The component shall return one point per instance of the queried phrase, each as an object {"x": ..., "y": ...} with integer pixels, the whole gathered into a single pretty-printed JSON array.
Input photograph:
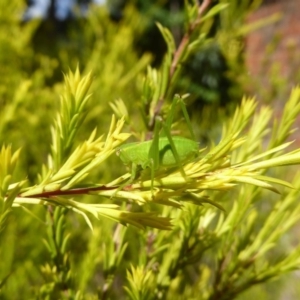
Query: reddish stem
[
  {"x": 178, "y": 53},
  {"x": 79, "y": 191}
]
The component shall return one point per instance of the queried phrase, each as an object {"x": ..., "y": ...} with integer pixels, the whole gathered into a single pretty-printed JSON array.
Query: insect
[{"x": 161, "y": 152}]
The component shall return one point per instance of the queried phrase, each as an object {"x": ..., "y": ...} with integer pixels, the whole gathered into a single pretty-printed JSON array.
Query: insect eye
[{"x": 118, "y": 152}]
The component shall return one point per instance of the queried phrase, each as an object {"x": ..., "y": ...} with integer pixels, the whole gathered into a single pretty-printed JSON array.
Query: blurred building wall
[{"x": 278, "y": 43}]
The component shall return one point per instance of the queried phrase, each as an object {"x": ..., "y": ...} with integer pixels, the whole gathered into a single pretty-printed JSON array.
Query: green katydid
[{"x": 162, "y": 151}]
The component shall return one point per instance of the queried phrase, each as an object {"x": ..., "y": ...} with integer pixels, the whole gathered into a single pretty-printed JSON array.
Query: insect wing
[{"x": 186, "y": 149}]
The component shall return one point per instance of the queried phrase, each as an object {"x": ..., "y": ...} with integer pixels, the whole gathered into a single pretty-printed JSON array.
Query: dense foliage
[{"x": 76, "y": 224}]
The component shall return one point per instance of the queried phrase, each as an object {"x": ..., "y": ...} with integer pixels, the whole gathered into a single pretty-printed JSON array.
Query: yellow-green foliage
[
  {"x": 28, "y": 106},
  {"x": 72, "y": 227}
]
